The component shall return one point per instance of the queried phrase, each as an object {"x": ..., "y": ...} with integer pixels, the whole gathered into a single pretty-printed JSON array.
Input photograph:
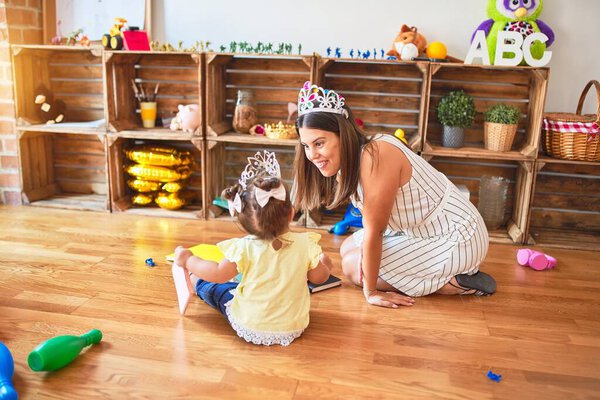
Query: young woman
[{"x": 420, "y": 235}]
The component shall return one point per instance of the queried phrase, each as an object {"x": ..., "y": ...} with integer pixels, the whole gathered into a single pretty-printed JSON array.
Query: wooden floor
[{"x": 66, "y": 272}]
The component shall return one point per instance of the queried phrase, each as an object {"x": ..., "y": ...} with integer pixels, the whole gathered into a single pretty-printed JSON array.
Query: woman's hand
[
  {"x": 387, "y": 299},
  {"x": 181, "y": 256}
]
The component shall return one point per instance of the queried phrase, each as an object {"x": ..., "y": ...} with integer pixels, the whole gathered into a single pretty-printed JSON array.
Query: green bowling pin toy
[{"x": 59, "y": 351}]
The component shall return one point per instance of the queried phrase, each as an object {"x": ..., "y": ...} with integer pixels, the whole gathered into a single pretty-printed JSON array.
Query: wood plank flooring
[{"x": 66, "y": 272}]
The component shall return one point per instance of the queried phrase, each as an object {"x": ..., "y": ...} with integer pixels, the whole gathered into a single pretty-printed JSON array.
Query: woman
[{"x": 420, "y": 235}]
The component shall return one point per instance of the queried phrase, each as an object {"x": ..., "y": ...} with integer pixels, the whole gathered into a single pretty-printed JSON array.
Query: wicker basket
[
  {"x": 499, "y": 137},
  {"x": 574, "y": 136}
]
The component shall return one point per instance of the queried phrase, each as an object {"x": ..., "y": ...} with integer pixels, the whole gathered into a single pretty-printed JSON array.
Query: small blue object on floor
[
  {"x": 150, "y": 262},
  {"x": 352, "y": 217},
  {"x": 493, "y": 376}
]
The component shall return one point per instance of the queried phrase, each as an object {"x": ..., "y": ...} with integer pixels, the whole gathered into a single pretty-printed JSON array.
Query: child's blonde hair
[{"x": 265, "y": 222}]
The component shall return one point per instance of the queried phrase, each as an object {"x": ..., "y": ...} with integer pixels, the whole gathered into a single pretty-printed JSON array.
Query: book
[
  {"x": 331, "y": 282},
  {"x": 183, "y": 286}
]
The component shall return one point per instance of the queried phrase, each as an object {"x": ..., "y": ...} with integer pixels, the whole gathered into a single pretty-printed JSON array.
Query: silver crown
[
  {"x": 313, "y": 98},
  {"x": 264, "y": 162}
]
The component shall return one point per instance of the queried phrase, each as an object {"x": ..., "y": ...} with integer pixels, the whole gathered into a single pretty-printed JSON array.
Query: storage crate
[
  {"x": 566, "y": 204},
  {"x": 522, "y": 87},
  {"x": 385, "y": 95},
  {"x": 72, "y": 75},
  {"x": 63, "y": 170},
  {"x": 225, "y": 162},
  {"x": 177, "y": 74},
  {"x": 121, "y": 194},
  {"x": 274, "y": 80},
  {"x": 468, "y": 172}
]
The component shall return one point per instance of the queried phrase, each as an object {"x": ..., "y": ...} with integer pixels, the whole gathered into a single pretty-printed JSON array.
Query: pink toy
[
  {"x": 190, "y": 118},
  {"x": 535, "y": 259}
]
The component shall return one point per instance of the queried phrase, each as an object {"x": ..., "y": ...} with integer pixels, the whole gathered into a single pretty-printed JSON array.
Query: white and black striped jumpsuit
[{"x": 433, "y": 233}]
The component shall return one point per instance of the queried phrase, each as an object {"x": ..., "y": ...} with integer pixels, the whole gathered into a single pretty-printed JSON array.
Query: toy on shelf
[
  {"x": 519, "y": 16},
  {"x": 113, "y": 40},
  {"x": 535, "y": 259},
  {"x": 51, "y": 111},
  {"x": 400, "y": 135},
  {"x": 436, "y": 50},
  {"x": 187, "y": 119},
  {"x": 352, "y": 217},
  {"x": 7, "y": 369},
  {"x": 77, "y": 37},
  {"x": 59, "y": 351},
  {"x": 408, "y": 44},
  {"x": 57, "y": 39},
  {"x": 280, "y": 131}
]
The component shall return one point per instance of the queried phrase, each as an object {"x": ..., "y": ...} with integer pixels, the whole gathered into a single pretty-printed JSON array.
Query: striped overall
[{"x": 433, "y": 233}]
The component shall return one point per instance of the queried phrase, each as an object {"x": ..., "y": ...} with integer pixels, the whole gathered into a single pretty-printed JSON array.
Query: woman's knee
[
  {"x": 347, "y": 246},
  {"x": 350, "y": 265}
]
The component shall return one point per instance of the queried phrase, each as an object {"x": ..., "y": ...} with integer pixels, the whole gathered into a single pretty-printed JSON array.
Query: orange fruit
[{"x": 436, "y": 50}]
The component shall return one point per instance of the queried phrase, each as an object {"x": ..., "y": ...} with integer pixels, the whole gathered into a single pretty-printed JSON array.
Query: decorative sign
[{"x": 511, "y": 43}]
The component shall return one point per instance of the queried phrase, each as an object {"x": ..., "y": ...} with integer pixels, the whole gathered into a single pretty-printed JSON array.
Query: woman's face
[{"x": 322, "y": 148}]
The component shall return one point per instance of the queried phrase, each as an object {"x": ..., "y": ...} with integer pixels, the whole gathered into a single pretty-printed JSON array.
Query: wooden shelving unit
[{"x": 78, "y": 164}]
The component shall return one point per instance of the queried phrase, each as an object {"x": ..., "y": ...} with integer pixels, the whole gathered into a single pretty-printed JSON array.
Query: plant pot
[
  {"x": 498, "y": 137},
  {"x": 453, "y": 136}
]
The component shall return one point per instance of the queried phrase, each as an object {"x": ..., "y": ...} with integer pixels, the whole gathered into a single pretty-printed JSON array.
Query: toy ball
[
  {"x": 436, "y": 50},
  {"x": 400, "y": 135}
]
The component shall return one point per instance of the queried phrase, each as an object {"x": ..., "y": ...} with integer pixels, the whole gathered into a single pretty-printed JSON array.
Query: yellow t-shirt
[{"x": 272, "y": 296}]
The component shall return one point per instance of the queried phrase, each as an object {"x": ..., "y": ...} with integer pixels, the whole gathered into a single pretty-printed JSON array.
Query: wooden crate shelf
[
  {"x": 225, "y": 161},
  {"x": 72, "y": 75},
  {"x": 178, "y": 74},
  {"x": 468, "y": 172},
  {"x": 121, "y": 194},
  {"x": 63, "y": 170},
  {"x": 385, "y": 95},
  {"x": 274, "y": 81},
  {"x": 565, "y": 210},
  {"x": 522, "y": 87}
]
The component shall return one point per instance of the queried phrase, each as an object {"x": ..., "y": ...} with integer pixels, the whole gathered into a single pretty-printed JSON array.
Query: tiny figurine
[
  {"x": 351, "y": 53},
  {"x": 150, "y": 262},
  {"x": 366, "y": 55},
  {"x": 56, "y": 40},
  {"x": 494, "y": 377},
  {"x": 329, "y": 52},
  {"x": 338, "y": 53}
]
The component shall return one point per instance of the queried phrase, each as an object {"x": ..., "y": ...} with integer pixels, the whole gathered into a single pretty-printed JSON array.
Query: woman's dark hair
[
  {"x": 311, "y": 188},
  {"x": 266, "y": 222}
]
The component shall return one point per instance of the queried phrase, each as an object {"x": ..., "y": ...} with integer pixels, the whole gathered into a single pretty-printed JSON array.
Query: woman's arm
[
  {"x": 321, "y": 272},
  {"x": 208, "y": 270},
  {"x": 380, "y": 175}
]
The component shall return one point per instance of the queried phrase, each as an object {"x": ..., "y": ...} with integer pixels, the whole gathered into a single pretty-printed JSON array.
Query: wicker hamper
[{"x": 574, "y": 136}]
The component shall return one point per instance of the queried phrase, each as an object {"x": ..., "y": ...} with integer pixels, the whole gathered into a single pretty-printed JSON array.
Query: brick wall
[{"x": 20, "y": 23}]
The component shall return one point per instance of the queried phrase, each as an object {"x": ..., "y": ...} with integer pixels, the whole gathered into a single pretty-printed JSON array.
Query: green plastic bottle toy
[{"x": 59, "y": 351}]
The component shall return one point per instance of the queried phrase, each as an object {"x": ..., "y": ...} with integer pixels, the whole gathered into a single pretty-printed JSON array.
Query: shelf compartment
[
  {"x": 385, "y": 95},
  {"x": 468, "y": 172},
  {"x": 72, "y": 75},
  {"x": 522, "y": 87},
  {"x": 179, "y": 76},
  {"x": 121, "y": 194},
  {"x": 565, "y": 210},
  {"x": 274, "y": 80},
  {"x": 63, "y": 170}
]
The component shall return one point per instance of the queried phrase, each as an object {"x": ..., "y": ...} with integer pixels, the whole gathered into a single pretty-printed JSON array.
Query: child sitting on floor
[{"x": 271, "y": 303}]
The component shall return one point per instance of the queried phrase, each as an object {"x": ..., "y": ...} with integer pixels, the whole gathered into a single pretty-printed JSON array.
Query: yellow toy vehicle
[{"x": 114, "y": 39}]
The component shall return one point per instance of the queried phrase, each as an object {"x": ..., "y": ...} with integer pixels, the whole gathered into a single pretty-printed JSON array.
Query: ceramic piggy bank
[{"x": 189, "y": 117}]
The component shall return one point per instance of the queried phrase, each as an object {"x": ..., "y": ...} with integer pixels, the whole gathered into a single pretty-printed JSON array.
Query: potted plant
[
  {"x": 500, "y": 126},
  {"x": 455, "y": 111}
]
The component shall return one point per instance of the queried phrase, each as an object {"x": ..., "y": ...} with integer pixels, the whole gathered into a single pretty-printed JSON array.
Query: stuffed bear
[
  {"x": 408, "y": 44},
  {"x": 50, "y": 111},
  {"x": 519, "y": 16}
]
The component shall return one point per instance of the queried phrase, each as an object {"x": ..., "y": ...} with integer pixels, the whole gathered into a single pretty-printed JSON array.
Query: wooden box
[
  {"x": 177, "y": 74},
  {"x": 71, "y": 75},
  {"x": 385, "y": 95},
  {"x": 63, "y": 170},
  {"x": 566, "y": 204},
  {"x": 469, "y": 171},
  {"x": 225, "y": 162},
  {"x": 121, "y": 194},
  {"x": 273, "y": 80},
  {"x": 523, "y": 87}
]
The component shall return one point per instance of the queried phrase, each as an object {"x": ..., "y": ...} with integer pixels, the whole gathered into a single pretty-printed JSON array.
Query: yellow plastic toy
[
  {"x": 114, "y": 39},
  {"x": 400, "y": 135}
]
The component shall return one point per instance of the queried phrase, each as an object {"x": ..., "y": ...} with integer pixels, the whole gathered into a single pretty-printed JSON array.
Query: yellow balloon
[
  {"x": 158, "y": 155},
  {"x": 142, "y": 186},
  {"x": 173, "y": 187},
  {"x": 171, "y": 201},
  {"x": 142, "y": 199},
  {"x": 158, "y": 174}
]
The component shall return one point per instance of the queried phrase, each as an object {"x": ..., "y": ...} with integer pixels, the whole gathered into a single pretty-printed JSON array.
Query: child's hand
[{"x": 181, "y": 256}]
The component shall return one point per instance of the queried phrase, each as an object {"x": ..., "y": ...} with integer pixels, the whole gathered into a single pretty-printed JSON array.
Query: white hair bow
[
  {"x": 263, "y": 196},
  {"x": 235, "y": 205}
]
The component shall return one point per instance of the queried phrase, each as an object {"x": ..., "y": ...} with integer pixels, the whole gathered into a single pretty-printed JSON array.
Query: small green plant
[
  {"x": 456, "y": 109},
  {"x": 502, "y": 114}
]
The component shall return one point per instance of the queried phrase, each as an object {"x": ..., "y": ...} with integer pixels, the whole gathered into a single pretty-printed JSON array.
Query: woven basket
[
  {"x": 574, "y": 136},
  {"x": 499, "y": 137}
]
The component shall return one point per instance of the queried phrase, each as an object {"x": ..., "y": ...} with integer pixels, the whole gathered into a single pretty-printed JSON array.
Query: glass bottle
[
  {"x": 245, "y": 115},
  {"x": 493, "y": 196}
]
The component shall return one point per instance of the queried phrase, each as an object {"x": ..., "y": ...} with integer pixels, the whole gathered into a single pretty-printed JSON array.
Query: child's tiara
[
  {"x": 314, "y": 98},
  {"x": 261, "y": 163}
]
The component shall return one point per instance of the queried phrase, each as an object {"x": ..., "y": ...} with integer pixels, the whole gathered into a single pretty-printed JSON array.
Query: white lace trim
[{"x": 261, "y": 337}]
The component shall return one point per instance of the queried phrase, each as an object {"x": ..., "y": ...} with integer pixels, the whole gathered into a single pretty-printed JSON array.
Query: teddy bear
[
  {"x": 187, "y": 119},
  {"x": 408, "y": 44},
  {"x": 51, "y": 111},
  {"x": 519, "y": 16}
]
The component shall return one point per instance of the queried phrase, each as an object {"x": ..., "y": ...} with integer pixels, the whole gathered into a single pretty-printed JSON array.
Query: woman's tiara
[{"x": 313, "y": 98}]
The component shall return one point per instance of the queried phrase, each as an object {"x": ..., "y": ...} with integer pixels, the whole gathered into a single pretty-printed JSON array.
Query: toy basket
[{"x": 574, "y": 136}]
